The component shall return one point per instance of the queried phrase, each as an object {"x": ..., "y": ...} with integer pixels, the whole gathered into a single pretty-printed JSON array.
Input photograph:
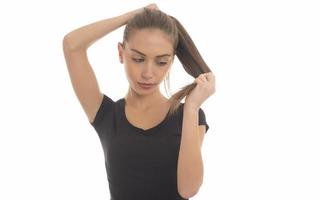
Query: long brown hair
[{"x": 184, "y": 47}]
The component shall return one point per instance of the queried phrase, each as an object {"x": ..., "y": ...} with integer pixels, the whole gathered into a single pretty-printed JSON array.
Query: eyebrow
[{"x": 135, "y": 50}]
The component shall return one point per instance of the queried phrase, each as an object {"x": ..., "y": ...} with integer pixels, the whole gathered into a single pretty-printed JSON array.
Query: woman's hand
[
  {"x": 152, "y": 6},
  {"x": 205, "y": 87}
]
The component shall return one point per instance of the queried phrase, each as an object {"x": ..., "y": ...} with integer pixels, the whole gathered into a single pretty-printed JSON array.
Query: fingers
[
  {"x": 200, "y": 79},
  {"x": 152, "y": 6},
  {"x": 205, "y": 77},
  {"x": 207, "y": 80},
  {"x": 210, "y": 76}
]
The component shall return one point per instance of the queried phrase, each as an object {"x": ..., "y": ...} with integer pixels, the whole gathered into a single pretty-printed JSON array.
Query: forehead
[{"x": 151, "y": 42}]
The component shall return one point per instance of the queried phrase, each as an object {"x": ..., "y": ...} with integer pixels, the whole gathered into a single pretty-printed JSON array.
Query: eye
[
  {"x": 162, "y": 63},
  {"x": 138, "y": 60}
]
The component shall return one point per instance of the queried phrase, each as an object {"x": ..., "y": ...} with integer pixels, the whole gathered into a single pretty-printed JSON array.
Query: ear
[{"x": 120, "y": 52}]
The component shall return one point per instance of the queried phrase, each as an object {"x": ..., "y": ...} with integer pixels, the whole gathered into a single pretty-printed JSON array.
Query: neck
[{"x": 144, "y": 102}]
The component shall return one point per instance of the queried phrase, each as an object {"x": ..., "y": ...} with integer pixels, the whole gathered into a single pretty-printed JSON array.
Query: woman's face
[{"x": 147, "y": 57}]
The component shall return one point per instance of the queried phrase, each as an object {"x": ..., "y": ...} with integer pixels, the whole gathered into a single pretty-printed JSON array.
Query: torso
[{"x": 132, "y": 156}]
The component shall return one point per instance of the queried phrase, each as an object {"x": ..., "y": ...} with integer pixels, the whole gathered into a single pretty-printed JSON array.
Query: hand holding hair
[{"x": 205, "y": 88}]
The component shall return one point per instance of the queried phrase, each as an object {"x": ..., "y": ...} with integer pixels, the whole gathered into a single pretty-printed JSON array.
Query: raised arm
[{"x": 82, "y": 76}]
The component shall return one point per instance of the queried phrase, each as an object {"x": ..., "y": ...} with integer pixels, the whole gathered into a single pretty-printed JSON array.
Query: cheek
[
  {"x": 131, "y": 72},
  {"x": 131, "y": 65},
  {"x": 165, "y": 70}
]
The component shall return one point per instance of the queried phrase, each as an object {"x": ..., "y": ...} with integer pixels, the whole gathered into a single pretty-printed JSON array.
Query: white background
[{"x": 264, "y": 137}]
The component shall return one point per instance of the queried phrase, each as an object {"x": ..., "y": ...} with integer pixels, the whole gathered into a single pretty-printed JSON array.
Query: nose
[{"x": 148, "y": 71}]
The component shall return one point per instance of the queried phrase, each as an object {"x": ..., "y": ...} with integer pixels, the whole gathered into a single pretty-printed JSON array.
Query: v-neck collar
[{"x": 144, "y": 131}]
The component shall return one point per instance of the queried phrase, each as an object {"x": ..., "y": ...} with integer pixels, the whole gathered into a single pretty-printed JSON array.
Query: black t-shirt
[{"x": 140, "y": 164}]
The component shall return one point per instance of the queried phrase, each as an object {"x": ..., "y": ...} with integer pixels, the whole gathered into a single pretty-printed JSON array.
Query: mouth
[{"x": 146, "y": 85}]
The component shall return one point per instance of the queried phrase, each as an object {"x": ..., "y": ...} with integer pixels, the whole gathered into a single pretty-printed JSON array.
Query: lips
[{"x": 146, "y": 86}]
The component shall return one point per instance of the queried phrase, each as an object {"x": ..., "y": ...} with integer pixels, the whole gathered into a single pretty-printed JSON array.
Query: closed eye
[
  {"x": 162, "y": 63},
  {"x": 138, "y": 60}
]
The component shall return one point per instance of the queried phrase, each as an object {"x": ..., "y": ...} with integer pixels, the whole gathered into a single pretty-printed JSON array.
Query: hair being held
[{"x": 184, "y": 47}]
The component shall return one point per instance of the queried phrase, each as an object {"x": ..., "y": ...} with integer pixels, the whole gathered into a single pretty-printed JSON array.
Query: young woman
[{"x": 152, "y": 145}]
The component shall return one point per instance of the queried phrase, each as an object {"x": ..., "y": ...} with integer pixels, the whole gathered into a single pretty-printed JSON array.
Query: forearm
[
  {"x": 85, "y": 36},
  {"x": 190, "y": 164}
]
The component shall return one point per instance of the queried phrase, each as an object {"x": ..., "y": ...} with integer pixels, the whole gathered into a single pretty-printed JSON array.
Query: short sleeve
[
  {"x": 104, "y": 115},
  {"x": 202, "y": 119}
]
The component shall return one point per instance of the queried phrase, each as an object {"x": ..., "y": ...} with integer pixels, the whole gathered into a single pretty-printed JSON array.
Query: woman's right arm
[
  {"x": 82, "y": 76},
  {"x": 85, "y": 36}
]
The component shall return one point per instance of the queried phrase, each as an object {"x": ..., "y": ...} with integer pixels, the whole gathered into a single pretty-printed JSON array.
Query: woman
[{"x": 152, "y": 145}]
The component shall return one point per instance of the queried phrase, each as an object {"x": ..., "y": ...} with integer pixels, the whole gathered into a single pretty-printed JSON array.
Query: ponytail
[{"x": 192, "y": 62}]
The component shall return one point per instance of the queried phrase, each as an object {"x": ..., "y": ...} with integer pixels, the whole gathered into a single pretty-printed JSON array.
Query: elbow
[
  {"x": 69, "y": 44},
  {"x": 66, "y": 43},
  {"x": 188, "y": 189},
  {"x": 186, "y": 194}
]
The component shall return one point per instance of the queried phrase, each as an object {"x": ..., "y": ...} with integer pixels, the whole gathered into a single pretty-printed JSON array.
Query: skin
[{"x": 147, "y": 68}]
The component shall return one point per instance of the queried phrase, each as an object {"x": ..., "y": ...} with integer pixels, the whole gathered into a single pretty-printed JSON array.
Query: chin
[{"x": 142, "y": 89}]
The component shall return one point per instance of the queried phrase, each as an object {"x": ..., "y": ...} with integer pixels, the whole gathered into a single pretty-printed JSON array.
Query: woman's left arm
[{"x": 190, "y": 163}]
